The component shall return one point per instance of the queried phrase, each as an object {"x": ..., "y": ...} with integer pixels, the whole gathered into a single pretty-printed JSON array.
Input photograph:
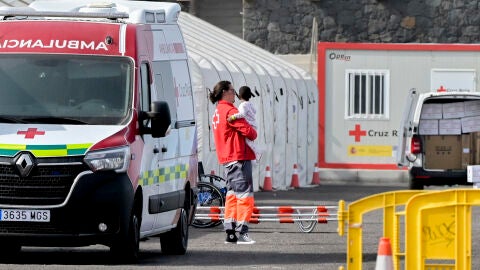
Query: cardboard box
[
  {"x": 470, "y": 124},
  {"x": 443, "y": 152},
  {"x": 453, "y": 110},
  {"x": 449, "y": 127},
  {"x": 428, "y": 127},
  {"x": 476, "y": 147},
  {"x": 431, "y": 111},
  {"x": 472, "y": 108},
  {"x": 473, "y": 174},
  {"x": 467, "y": 150}
]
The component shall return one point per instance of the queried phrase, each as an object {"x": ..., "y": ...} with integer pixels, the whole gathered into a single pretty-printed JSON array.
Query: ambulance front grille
[
  {"x": 31, "y": 228},
  {"x": 45, "y": 185}
]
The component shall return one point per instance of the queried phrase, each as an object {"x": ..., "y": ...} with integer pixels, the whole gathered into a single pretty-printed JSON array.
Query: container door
[{"x": 453, "y": 80}]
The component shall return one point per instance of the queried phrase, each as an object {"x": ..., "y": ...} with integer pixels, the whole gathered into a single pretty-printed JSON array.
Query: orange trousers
[{"x": 239, "y": 200}]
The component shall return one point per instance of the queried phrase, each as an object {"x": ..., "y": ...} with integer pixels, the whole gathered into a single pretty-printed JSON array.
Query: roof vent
[{"x": 99, "y": 7}]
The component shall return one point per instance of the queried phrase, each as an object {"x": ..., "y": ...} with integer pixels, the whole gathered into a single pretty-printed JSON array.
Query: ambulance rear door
[{"x": 407, "y": 128}]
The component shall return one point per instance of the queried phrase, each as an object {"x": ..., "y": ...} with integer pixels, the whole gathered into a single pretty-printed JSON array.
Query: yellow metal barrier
[
  {"x": 437, "y": 227},
  {"x": 354, "y": 215}
]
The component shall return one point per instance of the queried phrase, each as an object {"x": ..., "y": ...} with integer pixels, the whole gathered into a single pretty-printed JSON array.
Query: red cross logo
[
  {"x": 357, "y": 132},
  {"x": 441, "y": 89},
  {"x": 30, "y": 133},
  {"x": 215, "y": 119}
]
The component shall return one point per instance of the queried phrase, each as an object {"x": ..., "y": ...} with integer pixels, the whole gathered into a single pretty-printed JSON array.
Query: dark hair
[
  {"x": 218, "y": 89},
  {"x": 245, "y": 93}
]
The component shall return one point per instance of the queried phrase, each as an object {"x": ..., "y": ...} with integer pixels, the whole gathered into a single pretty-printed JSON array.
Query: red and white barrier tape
[{"x": 284, "y": 214}]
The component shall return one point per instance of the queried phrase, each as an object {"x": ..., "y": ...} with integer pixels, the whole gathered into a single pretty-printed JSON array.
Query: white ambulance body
[{"x": 97, "y": 132}]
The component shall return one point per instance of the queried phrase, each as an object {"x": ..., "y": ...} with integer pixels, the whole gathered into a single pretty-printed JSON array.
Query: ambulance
[{"x": 97, "y": 127}]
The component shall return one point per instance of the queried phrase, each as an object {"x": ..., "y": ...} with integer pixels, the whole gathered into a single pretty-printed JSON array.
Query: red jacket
[{"x": 230, "y": 136}]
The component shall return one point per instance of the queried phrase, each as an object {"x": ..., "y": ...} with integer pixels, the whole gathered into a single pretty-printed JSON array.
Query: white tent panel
[
  {"x": 281, "y": 91},
  {"x": 205, "y": 74},
  {"x": 266, "y": 115},
  {"x": 279, "y": 170},
  {"x": 291, "y": 117},
  {"x": 301, "y": 113},
  {"x": 302, "y": 132},
  {"x": 312, "y": 124}
]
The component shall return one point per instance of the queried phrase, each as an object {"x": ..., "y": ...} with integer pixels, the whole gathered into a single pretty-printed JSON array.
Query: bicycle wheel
[
  {"x": 208, "y": 195},
  {"x": 213, "y": 179},
  {"x": 307, "y": 226},
  {"x": 217, "y": 181}
]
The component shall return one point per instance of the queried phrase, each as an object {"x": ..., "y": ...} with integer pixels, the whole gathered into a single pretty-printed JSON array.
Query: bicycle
[{"x": 211, "y": 192}]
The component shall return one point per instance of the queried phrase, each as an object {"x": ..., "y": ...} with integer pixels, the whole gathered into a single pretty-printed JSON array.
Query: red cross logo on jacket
[{"x": 215, "y": 119}]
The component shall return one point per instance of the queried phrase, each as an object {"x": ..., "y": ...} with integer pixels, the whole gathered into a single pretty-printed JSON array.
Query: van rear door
[{"x": 406, "y": 128}]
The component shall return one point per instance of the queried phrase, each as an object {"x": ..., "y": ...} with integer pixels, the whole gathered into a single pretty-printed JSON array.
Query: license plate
[{"x": 25, "y": 215}]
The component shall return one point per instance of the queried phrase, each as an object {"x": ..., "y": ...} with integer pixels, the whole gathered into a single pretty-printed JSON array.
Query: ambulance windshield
[{"x": 65, "y": 89}]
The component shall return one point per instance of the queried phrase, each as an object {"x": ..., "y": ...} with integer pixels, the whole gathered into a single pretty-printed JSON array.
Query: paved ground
[
  {"x": 284, "y": 246},
  {"x": 323, "y": 194},
  {"x": 279, "y": 246}
]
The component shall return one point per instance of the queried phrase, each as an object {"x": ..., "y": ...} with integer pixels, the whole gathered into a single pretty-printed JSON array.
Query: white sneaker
[{"x": 244, "y": 239}]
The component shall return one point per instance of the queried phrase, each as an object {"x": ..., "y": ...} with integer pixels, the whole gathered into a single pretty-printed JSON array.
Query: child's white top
[{"x": 247, "y": 110}]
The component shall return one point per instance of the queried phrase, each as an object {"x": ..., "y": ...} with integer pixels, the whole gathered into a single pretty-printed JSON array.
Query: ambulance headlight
[{"x": 116, "y": 159}]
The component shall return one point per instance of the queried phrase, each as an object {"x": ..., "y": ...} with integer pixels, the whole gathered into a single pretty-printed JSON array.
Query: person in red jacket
[{"x": 235, "y": 155}]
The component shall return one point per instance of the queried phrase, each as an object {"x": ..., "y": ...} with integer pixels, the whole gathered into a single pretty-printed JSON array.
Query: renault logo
[{"x": 24, "y": 164}]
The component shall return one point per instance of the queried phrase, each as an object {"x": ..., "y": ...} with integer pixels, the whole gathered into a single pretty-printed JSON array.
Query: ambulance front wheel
[
  {"x": 127, "y": 247},
  {"x": 175, "y": 242}
]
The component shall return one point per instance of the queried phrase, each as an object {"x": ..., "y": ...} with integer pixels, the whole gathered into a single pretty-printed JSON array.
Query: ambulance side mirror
[{"x": 160, "y": 117}]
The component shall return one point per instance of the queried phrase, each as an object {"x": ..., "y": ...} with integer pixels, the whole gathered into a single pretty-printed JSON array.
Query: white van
[
  {"x": 97, "y": 132},
  {"x": 440, "y": 137}
]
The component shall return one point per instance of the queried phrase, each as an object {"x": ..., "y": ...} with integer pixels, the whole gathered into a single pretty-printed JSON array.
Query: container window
[{"x": 367, "y": 94}]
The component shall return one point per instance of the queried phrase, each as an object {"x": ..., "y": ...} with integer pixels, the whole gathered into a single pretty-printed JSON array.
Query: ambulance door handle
[{"x": 156, "y": 151}]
